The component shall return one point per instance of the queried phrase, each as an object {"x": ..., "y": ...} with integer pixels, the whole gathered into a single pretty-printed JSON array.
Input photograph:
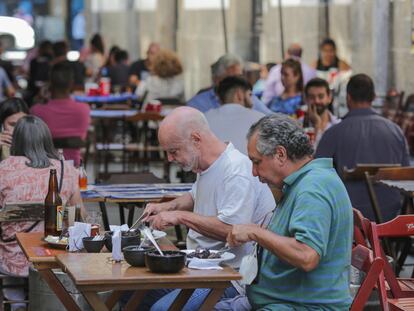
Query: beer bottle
[{"x": 53, "y": 208}]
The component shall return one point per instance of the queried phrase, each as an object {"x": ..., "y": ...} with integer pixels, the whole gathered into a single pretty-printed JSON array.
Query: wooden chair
[
  {"x": 16, "y": 212},
  {"x": 364, "y": 172},
  {"x": 409, "y": 104},
  {"x": 73, "y": 142},
  {"x": 402, "y": 304},
  {"x": 401, "y": 226},
  {"x": 358, "y": 172},
  {"x": 360, "y": 228},
  {"x": 147, "y": 149},
  {"x": 396, "y": 173},
  {"x": 362, "y": 259}
]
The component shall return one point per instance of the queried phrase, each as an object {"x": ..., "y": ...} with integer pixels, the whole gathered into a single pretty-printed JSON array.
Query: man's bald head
[
  {"x": 181, "y": 122},
  {"x": 294, "y": 50}
]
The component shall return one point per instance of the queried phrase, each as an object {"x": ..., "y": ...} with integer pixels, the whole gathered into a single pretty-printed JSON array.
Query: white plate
[
  {"x": 157, "y": 234},
  {"x": 224, "y": 257}
]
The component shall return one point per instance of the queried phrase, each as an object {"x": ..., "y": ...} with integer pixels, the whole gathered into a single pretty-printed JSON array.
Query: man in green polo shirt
[{"x": 305, "y": 252}]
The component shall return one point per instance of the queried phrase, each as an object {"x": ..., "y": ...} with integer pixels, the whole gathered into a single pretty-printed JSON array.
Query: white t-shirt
[
  {"x": 228, "y": 190},
  {"x": 231, "y": 122}
]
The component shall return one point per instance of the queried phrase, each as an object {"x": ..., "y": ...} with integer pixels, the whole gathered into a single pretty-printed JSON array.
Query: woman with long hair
[
  {"x": 96, "y": 59},
  {"x": 291, "y": 98},
  {"x": 24, "y": 177},
  {"x": 11, "y": 110}
]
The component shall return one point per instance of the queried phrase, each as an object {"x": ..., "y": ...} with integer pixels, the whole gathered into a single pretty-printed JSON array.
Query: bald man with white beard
[{"x": 224, "y": 194}]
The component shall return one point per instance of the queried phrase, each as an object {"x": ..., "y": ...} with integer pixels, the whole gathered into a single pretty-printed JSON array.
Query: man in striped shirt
[{"x": 305, "y": 252}]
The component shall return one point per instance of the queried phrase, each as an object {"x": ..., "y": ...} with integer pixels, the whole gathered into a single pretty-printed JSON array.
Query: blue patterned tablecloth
[
  {"x": 135, "y": 191},
  {"x": 112, "y": 98}
]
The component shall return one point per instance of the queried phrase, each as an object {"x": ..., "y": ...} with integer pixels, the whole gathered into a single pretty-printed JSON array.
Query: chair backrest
[
  {"x": 362, "y": 259},
  {"x": 364, "y": 172},
  {"x": 395, "y": 173},
  {"x": 400, "y": 226},
  {"x": 171, "y": 101},
  {"x": 145, "y": 116},
  {"x": 358, "y": 173},
  {"x": 360, "y": 228},
  {"x": 69, "y": 142},
  {"x": 22, "y": 211},
  {"x": 409, "y": 103}
]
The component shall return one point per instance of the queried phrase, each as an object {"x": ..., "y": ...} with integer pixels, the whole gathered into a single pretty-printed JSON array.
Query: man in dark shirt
[
  {"x": 139, "y": 70},
  {"x": 119, "y": 72},
  {"x": 60, "y": 50},
  {"x": 365, "y": 137}
]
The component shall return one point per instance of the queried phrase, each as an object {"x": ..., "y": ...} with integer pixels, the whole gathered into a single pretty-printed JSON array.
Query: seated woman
[
  {"x": 11, "y": 110},
  {"x": 292, "y": 80},
  {"x": 166, "y": 80},
  {"x": 24, "y": 177},
  {"x": 328, "y": 60}
]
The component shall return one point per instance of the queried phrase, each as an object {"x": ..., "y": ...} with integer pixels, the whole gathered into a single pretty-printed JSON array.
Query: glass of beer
[{"x": 310, "y": 131}]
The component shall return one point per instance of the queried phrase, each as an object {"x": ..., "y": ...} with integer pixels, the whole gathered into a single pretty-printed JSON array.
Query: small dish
[
  {"x": 171, "y": 262},
  {"x": 128, "y": 238},
  {"x": 91, "y": 245},
  {"x": 135, "y": 255}
]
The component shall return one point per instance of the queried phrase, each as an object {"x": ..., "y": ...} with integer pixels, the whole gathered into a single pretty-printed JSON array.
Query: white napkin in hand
[
  {"x": 77, "y": 232},
  {"x": 203, "y": 264},
  {"x": 116, "y": 246}
]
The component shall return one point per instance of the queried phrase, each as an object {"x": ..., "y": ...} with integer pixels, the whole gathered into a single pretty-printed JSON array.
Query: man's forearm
[
  {"x": 208, "y": 226},
  {"x": 287, "y": 249},
  {"x": 183, "y": 203}
]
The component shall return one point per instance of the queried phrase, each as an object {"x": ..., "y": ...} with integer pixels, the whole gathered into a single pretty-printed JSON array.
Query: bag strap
[{"x": 62, "y": 170}]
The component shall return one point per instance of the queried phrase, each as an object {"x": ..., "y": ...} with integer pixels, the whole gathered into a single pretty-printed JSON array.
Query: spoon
[{"x": 148, "y": 234}]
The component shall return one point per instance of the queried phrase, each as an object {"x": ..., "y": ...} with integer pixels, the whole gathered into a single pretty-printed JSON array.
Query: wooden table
[
  {"x": 93, "y": 273},
  {"x": 405, "y": 186},
  {"x": 43, "y": 259}
]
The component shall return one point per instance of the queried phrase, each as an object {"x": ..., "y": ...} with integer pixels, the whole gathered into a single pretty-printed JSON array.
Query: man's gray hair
[
  {"x": 280, "y": 130},
  {"x": 219, "y": 67}
]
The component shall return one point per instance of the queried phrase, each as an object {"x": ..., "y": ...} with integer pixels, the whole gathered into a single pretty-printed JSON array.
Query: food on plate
[
  {"x": 203, "y": 253},
  {"x": 56, "y": 239}
]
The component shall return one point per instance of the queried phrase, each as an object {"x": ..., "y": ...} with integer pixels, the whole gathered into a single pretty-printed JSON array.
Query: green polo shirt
[{"x": 315, "y": 210}]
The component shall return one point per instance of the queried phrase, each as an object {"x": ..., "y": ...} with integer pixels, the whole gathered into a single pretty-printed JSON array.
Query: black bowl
[
  {"x": 135, "y": 255},
  {"x": 132, "y": 237},
  {"x": 172, "y": 262},
  {"x": 92, "y": 246}
]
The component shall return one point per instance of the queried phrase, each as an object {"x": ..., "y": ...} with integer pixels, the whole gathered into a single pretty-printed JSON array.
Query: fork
[{"x": 224, "y": 249}]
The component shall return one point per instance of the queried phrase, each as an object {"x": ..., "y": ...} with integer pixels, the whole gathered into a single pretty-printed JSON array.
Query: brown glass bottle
[{"x": 53, "y": 208}]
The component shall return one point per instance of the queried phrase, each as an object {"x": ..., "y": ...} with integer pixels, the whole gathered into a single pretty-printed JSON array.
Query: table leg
[
  {"x": 212, "y": 299},
  {"x": 135, "y": 300},
  {"x": 113, "y": 299},
  {"x": 105, "y": 221},
  {"x": 121, "y": 213},
  {"x": 59, "y": 290},
  {"x": 94, "y": 301},
  {"x": 131, "y": 212},
  {"x": 181, "y": 299}
]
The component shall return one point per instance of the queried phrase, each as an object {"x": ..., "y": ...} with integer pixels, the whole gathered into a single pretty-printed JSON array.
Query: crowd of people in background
[{"x": 285, "y": 111}]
